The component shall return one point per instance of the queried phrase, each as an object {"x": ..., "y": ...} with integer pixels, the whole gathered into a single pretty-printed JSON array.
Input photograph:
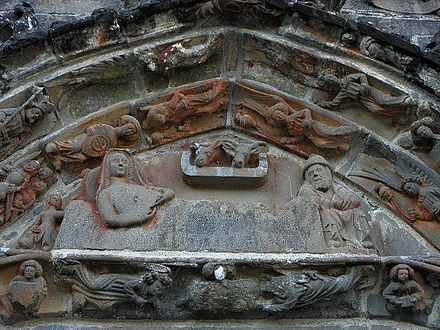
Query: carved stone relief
[
  {"x": 248, "y": 233},
  {"x": 426, "y": 195},
  {"x": 309, "y": 286},
  {"x": 185, "y": 112},
  {"x": 102, "y": 291},
  {"x": 270, "y": 116},
  {"x": 405, "y": 298},
  {"x": 356, "y": 88},
  {"x": 43, "y": 233},
  {"x": 16, "y": 123},
  {"x": 22, "y": 187},
  {"x": 27, "y": 289},
  {"x": 344, "y": 221},
  {"x": 225, "y": 161},
  {"x": 122, "y": 197},
  {"x": 95, "y": 142},
  {"x": 424, "y": 135}
]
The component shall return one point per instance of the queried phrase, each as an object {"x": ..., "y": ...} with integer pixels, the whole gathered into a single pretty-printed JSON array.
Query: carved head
[
  {"x": 157, "y": 116},
  {"x": 56, "y": 201},
  {"x": 411, "y": 186},
  {"x": 401, "y": 273},
  {"x": 204, "y": 153},
  {"x": 30, "y": 269},
  {"x": 242, "y": 152},
  {"x": 157, "y": 277},
  {"x": 32, "y": 166},
  {"x": 424, "y": 132},
  {"x": 318, "y": 172},
  {"x": 118, "y": 164},
  {"x": 278, "y": 112},
  {"x": 39, "y": 185},
  {"x": 330, "y": 82},
  {"x": 33, "y": 114},
  {"x": 45, "y": 174}
]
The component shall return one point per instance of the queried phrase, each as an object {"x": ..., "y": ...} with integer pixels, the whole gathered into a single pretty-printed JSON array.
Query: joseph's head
[{"x": 318, "y": 172}]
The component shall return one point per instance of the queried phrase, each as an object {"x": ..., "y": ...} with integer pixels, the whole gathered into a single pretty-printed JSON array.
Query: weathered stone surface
[{"x": 202, "y": 225}]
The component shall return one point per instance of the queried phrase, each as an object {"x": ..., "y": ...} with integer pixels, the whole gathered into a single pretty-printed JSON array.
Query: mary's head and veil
[{"x": 122, "y": 197}]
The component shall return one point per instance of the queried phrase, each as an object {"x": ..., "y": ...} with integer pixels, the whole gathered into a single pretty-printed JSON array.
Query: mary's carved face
[{"x": 118, "y": 164}]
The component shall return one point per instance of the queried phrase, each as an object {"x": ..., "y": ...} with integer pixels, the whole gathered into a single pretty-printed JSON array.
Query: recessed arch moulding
[{"x": 219, "y": 153}]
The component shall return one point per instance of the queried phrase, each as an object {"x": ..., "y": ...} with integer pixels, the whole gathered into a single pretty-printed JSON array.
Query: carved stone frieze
[
  {"x": 309, "y": 286},
  {"x": 95, "y": 142},
  {"x": 344, "y": 221},
  {"x": 102, "y": 291},
  {"x": 23, "y": 185},
  {"x": 270, "y": 116},
  {"x": 356, "y": 88},
  {"x": 27, "y": 289},
  {"x": 17, "y": 123},
  {"x": 181, "y": 113},
  {"x": 405, "y": 298},
  {"x": 43, "y": 233}
]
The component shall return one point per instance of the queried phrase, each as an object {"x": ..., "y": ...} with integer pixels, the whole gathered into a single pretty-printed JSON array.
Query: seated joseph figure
[
  {"x": 122, "y": 197},
  {"x": 343, "y": 220}
]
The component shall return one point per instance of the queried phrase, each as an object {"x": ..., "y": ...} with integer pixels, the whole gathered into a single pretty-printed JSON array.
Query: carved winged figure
[
  {"x": 355, "y": 87},
  {"x": 105, "y": 290},
  {"x": 418, "y": 187}
]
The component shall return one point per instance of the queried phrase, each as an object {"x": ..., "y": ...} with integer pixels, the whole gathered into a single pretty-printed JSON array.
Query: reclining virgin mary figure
[{"x": 122, "y": 197}]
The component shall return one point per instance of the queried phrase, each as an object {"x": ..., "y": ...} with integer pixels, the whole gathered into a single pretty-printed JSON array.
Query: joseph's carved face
[
  {"x": 402, "y": 275},
  {"x": 319, "y": 176},
  {"x": 118, "y": 164},
  {"x": 29, "y": 272}
]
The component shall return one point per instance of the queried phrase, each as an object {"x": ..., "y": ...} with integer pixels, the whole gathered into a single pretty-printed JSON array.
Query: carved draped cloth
[
  {"x": 398, "y": 290},
  {"x": 97, "y": 140},
  {"x": 321, "y": 135},
  {"x": 339, "y": 224},
  {"x": 104, "y": 290}
]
